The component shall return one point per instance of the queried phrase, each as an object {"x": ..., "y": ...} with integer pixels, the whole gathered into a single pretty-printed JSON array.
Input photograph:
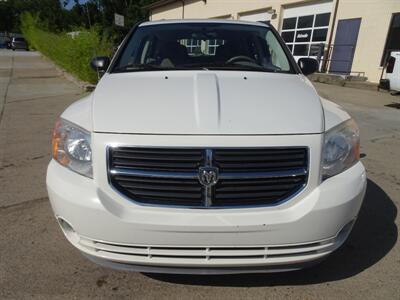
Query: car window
[
  {"x": 219, "y": 46},
  {"x": 276, "y": 52}
]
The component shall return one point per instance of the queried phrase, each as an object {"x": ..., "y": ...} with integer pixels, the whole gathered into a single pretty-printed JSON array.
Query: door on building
[
  {"x": 393, "y": 38},
  {"x": 344, "y": 46}
]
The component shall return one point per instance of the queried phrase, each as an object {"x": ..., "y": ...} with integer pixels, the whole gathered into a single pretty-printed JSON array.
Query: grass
[{"x": 71, "y": 53}]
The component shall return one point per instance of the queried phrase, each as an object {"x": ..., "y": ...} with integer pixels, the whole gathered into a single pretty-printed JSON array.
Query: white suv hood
[{"x": 205, "y": 102}]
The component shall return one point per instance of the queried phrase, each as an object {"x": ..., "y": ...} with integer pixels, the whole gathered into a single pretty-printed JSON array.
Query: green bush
[{"x": 71, "y": 53}]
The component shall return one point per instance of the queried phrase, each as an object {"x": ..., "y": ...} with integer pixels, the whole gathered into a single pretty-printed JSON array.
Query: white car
[
  {"x": 392, "y": 80},
  {"x": 204, "y": 149}
]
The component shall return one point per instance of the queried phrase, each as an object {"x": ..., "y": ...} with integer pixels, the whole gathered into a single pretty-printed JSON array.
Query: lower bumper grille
[
  {"x": 208, "y": 177},
  {"x": 209, "y": 255}
]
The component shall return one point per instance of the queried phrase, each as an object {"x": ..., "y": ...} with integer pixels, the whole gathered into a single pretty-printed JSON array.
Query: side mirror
[
  {"x": 308, "y": 65},
  {"x": 100, "y": 63}
]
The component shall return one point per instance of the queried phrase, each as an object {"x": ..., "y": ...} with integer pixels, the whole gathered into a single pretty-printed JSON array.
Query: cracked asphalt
[{"x": 36, "y": 262}]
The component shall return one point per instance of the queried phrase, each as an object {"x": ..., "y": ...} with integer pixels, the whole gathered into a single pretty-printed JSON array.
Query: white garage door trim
[
  {"x": 308, "y": 29},
  {"x": 256, "y": 16},
  {"x": 308, "y": 9}
]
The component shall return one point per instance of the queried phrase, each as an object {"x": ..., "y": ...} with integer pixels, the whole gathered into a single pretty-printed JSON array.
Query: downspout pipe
[{"x": 327, "y": 52}]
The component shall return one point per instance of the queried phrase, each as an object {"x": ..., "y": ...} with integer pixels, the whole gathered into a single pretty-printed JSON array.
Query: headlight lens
[
  {"x": 341, "y": 149},
  {"x": 72, "y": 147}
]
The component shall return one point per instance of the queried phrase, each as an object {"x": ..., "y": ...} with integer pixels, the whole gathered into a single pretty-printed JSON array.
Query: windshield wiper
[
  {"x": 240, "y": 67},
  {"x": 233, "y": 67}
]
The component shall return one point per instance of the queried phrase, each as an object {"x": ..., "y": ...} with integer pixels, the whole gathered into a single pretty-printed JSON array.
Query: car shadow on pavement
[{"x": 373, "y": 236}]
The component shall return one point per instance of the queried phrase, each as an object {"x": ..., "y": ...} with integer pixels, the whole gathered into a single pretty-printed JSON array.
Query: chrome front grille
[{"x": 233, "y": 177}]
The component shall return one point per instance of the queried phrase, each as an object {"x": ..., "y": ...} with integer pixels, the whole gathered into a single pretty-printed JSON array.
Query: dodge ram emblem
[{"x": 208, "y": 176}]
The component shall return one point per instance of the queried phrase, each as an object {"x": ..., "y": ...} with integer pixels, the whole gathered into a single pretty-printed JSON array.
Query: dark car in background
[
  {"x": 4, "y": 41},
  {"x": 19, "y": 43}
]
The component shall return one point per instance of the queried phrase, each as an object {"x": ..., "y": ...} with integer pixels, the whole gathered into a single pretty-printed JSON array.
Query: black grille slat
[
  {"x": 233, "y": 160},
  {"x": 250, "y": 195},
  {"x": 250, "y": 182},
  {"x": 245, "y": 166},
  {"x": 153, "y": 165},
  {"x": 240, "y": 188},
  {"x": 151, "y": 180},
  {"x": 181, "y": 158},
  {"x": 163, "y": 194},
  {"x": 260, "y": 158},
  {"x": 170, "y": 187},
  {"x": 247, "y": 177},
  {"x": 160, "y": 151},
  {"x": 256, "y": 151},
  {"x": 159, "y": 190},
  {"x": 156, "y": 159}
]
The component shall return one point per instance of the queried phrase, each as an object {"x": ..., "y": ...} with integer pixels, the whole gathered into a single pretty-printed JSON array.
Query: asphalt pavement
[{"x": 36, "y": 261}]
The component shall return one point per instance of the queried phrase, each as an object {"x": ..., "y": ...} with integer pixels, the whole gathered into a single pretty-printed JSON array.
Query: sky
[{"x": 71, "y": 3}]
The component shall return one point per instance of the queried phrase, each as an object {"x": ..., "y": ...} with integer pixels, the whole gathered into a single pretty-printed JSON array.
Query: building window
[
  {"x": 315, "y": 50},
  {"x": 301, "y": 50},
  {"x": 304, "y": 35},
  {"x": 288, "y": 36},
  {"x": 393, "y": 38},
  {"x": 213, "y": 45},
  {"x": 201, "y": 47},
  {"x": 193, "y": 46},
  {"x": 320, "y": 35},
  {"x": 322, "y": 20},
  {"x": 305, "y": 22},
  {"x": 289, "y": 23}
]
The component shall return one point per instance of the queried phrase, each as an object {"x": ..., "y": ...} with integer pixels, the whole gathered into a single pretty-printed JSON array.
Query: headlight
[
  {"x": 341, "y": 148},
  {"x": 71, "y": 147}
]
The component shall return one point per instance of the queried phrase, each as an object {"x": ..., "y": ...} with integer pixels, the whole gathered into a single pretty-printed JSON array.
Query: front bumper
[
  {"x": 177, "y": 240},
  {"x": 19, "y": 46}
]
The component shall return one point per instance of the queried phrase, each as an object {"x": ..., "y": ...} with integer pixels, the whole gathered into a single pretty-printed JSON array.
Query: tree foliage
[
  {"x": 53, "y": 13},
  {"x": 45, "y": 24},
  {"x": 73, "y": 53}
]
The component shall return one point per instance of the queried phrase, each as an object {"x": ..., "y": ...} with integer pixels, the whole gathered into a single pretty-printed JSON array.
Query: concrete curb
[
  {"x": 86, "y": 86},
  {"x": 338, "y": 80}
]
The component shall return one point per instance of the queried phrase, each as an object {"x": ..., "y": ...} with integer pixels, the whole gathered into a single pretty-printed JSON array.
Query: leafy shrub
[{"x": 71, "y": 52}]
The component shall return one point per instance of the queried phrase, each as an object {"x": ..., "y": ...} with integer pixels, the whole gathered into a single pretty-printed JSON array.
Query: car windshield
[{"x": 206, "y": 46}]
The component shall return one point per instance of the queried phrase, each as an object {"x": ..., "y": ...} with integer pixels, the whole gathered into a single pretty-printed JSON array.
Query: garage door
[
  {"x": 305, "y": 28},
  {"x": 256, "y": 16}
]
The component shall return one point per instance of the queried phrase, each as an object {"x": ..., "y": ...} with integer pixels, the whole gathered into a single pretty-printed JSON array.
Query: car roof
[{"x": 210, "y": 21}]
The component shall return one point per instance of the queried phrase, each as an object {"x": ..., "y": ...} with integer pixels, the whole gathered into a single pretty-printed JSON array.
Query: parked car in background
[
  {"x": 205, "y": 149},
  {"x": 392, "y": 77},
  {"x": 19, "y": 43},
  {"x": 3, "y": 43},
  {"x": 393, "y": 71}
]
